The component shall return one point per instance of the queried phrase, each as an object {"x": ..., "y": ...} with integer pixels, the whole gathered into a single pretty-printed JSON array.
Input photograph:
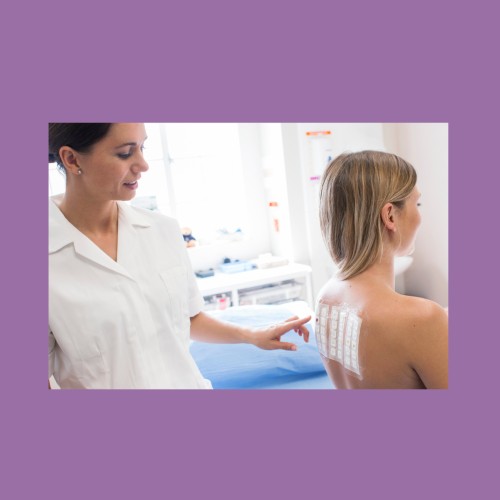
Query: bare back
[{"x": 396, "y": 342}]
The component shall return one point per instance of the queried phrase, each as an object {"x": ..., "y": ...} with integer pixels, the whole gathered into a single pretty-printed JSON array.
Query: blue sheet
[{"x": 243, "y": 366}]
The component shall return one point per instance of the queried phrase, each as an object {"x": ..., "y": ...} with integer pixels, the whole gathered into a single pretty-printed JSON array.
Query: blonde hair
[{"x": 353, "y": 190}]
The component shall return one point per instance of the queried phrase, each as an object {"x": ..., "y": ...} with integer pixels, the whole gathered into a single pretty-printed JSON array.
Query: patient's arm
[{"x": 429, "y": 346}]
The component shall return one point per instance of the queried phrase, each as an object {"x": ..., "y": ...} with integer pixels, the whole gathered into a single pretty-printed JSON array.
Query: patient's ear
[{"x": 388, "y": 214}]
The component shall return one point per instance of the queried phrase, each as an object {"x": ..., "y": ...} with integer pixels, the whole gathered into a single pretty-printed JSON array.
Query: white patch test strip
[{"x": 337, "y": 335}]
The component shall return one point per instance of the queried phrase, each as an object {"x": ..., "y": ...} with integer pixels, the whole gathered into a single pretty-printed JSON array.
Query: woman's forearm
[{"x": 205, "y": 328}]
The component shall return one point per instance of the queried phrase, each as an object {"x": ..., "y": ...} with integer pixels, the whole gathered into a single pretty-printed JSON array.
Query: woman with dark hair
[
  {"x": 370, "y": 336},
  {"x": 123, "y": 301}
]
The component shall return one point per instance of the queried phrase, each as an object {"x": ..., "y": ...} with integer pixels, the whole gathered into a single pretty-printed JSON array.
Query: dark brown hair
[{"x": 79, "y": 136}]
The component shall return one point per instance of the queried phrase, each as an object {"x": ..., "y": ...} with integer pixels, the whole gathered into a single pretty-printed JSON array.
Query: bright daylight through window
[{"x": 195, "y": 175}]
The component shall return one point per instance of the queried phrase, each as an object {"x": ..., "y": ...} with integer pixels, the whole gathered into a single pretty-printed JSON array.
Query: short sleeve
[
  {"x": 52, "y": 346},
  {"x": 196, "y": 302},
  {"x": 195, "y": 298}
]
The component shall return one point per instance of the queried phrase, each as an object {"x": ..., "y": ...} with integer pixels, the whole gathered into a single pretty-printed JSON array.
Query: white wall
[
  {"x": 425, "y": 146},
  {"x": 275, "y": 188},
  {"x": 257, "y": 238}
]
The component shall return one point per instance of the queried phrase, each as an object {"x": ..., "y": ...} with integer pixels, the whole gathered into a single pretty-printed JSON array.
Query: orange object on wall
[{"x": 273, "y": 205}]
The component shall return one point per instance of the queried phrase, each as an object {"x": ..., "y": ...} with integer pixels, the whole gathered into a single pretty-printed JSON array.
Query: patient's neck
[{"x": 381, "y": 273}]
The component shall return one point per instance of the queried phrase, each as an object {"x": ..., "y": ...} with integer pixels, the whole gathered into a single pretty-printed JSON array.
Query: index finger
[{"x": 291, "y": 324}]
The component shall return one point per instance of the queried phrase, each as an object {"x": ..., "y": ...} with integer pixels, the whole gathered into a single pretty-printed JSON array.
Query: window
[
  {"x": 203, "y": 184},
  {"x": 195, "y": 175}
]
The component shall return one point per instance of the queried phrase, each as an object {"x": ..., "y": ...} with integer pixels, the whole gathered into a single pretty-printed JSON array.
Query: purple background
[{"x": 250, "y": 61}]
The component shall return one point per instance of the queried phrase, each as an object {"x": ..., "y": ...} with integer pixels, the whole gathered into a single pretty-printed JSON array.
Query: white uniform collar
[
  {"x": 133, "y": 216},
  {"x": 63, "y": 233}
]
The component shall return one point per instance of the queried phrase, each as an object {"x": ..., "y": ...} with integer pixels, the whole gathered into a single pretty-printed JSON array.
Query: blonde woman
[{"x": 370, "y": 336}]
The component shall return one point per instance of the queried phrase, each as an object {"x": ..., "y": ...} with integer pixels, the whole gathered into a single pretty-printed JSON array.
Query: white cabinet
[{"x": 258, "y": 284}]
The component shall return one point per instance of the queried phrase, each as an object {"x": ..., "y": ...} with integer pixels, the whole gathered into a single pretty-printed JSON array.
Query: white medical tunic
[{"x": 123, "y": 324}]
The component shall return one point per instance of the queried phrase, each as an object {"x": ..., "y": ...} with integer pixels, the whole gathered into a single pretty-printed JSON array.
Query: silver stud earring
[{"x": 79, "y": 171}]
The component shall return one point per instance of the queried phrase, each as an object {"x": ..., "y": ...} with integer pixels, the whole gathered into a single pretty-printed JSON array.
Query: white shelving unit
[{"x": 235, "y": 284}]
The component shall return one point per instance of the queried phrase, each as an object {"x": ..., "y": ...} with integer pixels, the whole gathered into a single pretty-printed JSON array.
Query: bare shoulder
[
  {"x": 331, "y": 292},
  {"x": 423, "y": 315},
  {"x": 426, "y": 340},
  {"x": 418, "y": 322}
]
